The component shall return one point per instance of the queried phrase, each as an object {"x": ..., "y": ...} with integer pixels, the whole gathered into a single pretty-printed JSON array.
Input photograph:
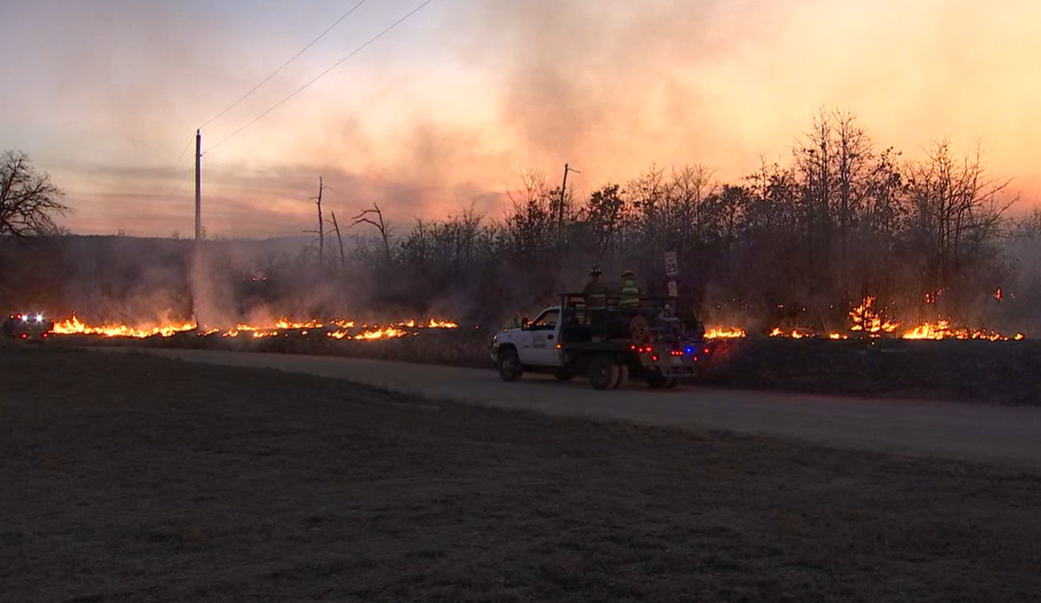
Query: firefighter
[
  {"x": 630, "y": 293},
  {"x": 595, "y": 293}
]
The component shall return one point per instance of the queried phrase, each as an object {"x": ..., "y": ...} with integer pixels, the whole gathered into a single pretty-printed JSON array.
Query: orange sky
[{"x": 449, "y": 108}]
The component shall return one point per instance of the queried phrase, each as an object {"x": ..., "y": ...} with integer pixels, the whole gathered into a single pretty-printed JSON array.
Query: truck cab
[
  {"x": 535, "y": 341},
  {"x": 647, "y": 342}
]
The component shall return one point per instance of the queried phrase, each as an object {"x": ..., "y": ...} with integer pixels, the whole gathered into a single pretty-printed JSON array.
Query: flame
[
  {"x": 73, "y": 326},
  {"x": 942, "y": 329},
  {"x": 796, "y": 333},
  {"x": 344, "y": 328},
  {"x": 387, "y": 333},
  {"x": 865, "y": 318},
  {"x": 724, "y": 333}
]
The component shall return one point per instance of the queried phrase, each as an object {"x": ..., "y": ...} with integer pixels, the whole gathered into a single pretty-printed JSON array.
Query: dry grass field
[{"x": 129, "y": 478}]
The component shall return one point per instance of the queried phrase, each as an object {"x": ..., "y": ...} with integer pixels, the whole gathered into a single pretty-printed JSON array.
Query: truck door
[{"x": 543, "y": 333}]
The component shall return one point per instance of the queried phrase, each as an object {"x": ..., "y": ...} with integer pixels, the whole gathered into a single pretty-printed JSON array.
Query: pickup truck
[{"x": 611, "y": 346}]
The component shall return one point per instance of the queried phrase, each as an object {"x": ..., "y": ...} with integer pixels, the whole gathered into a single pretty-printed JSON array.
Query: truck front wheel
[
  {"x": 603, "y": 372},
  {"x": 510, "y": 368}
]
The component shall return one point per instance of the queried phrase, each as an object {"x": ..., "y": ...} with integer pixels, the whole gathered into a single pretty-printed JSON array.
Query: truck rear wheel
[
  {"x": 623, "y": 376},
  {"x": 657, "y": 380},
  {"x": 603, "y": 372},
  {"x": 510, "y": 368}
]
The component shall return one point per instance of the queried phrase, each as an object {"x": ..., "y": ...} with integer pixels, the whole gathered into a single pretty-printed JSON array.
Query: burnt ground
[
  {"x": 1004, "y": 372},
  {"x": 131, "y": 478}
]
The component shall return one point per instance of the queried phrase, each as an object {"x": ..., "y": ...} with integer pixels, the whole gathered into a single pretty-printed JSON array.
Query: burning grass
[
  {"x": 871, "y": 320},
  {"x": 874, "y": 357},
  {"x": 337, "y": 329},
  {"x": 244, "y": 485}
]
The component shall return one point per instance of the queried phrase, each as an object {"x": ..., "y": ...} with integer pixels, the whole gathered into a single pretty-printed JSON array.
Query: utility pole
[
  {"x": 563, "y": 196},
  {"x": 198, "y": 185},
  {"x": 563, "y": 191}
]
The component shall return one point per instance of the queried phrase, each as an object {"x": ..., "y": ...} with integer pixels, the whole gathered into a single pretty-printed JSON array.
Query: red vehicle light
[
  {"x": 654, "y": 358},
  {"x": 25, "y": 336}
]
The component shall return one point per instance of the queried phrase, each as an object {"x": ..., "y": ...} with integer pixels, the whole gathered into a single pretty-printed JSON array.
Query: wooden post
[{"x": 198, "y": 184}]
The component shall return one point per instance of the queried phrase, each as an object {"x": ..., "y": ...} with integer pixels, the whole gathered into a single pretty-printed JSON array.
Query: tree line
[
  {"x": 800, "y": 241},
  {"x": 792, "y": 243}
]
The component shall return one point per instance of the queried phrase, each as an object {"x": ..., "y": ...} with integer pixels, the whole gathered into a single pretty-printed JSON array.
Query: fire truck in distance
[
  {"x": 27, "y": 327},
  {"x": 647, "y": 342}
]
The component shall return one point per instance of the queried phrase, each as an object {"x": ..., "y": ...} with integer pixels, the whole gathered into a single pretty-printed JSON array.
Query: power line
[
  {"x": 180, "y": 183},
  {"x": 284, "y": 65},
  {"x": 320, "y": 75},
  {"x": 166, "y": 181}
]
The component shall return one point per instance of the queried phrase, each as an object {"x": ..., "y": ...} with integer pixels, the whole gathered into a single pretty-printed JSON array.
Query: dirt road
[{"x": 948, "y": 430}]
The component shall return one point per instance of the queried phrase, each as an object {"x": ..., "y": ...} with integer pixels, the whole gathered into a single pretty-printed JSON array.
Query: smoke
[
  {"x": 212, "y": 302},
  {"x": 448, "y": 109}
]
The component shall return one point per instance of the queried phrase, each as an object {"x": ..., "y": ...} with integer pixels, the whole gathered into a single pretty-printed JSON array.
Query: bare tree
[
  {"x": 321, "y": 223},
  {"x": 379, "y": 223},
  {"x": 531, "y": 219},
  {"x": 28, "y": 198},
  {"x": 320, "y": 230},
  {"x": 957, "y": 213},
  {"x": 339, "y": 239}
]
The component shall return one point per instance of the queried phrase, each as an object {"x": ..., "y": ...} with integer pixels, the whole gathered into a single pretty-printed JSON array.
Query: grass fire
[{"x": 335, "y": 329}]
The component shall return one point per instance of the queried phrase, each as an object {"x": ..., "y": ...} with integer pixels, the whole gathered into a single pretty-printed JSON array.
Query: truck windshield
[{"x": 546, "y": 321}]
